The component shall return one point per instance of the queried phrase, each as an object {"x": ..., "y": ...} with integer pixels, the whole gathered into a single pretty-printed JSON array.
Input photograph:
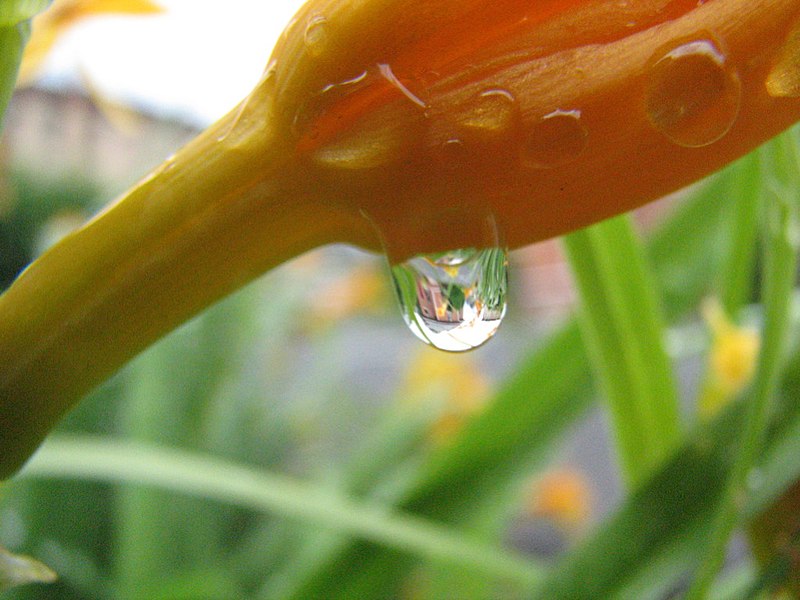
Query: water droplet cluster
[
  {"x": 455, "y": 300},
  {"x": 691, "y": 95}
]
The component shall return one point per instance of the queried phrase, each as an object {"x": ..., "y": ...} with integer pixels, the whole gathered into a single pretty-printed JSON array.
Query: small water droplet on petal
[
  {"x": 556, "y": 140},
  {"x": 316, "y": 35},
  {"x": 452, "y": 154},
  {"x": 784, "y": 79},
  {"x": 454, "y": 300},
  {"x": 694, "y": 94},
  {"x": 492, "y": 112}
]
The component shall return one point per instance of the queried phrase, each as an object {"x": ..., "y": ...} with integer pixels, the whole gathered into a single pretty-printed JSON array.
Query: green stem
[
  {"x": 623, "y": 329},
  {"x": 780, "y": 263},
  {"x": 229, "y": 206},
  {"x": 203, "y": 476}
]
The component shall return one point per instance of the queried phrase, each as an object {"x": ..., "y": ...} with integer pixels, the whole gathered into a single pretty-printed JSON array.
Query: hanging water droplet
[
  {"x": 693, "y": 94},
  {"x": 455, "y": 300},
  {"x": 556, "y": 140},
  {"x": 316, "y": 35},
  {"x": 784, "y": 79}
]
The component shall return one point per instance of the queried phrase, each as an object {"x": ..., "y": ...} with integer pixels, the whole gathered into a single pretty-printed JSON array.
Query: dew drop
[
  {"x": 693, "y": 94},
  {"x": 454, "y": 300},
  {"x": 784, "y": 79},
  {"x": 492, "y": 112},
  {"x": 316, "y": 35},
  {"x": 452, "y": 154},
  {"x": 334, "y": 139},
  {"x": 557, "y": 139}
]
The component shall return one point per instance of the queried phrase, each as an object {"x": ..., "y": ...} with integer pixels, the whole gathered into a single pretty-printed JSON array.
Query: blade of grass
[
  {"x": 17, "y": 11},
  {"x": 780, "y": 162},
  {"x": 15, "y": 29},
  {"x": 624, "y": 334},
  {"x": 13, "y": 38},
  {"x": 738, "y": 270},
  {"x": 117, "y": 461},
  {"x": 660, "y": 531}
]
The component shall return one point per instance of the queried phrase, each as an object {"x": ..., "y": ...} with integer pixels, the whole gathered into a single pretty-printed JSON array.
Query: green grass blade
[
  {"x": 15, "y": 28},
  {"x": 13, "y": 38},
  {"x": 737, "y": 277},
  {"x": 780, "y": 260},
  {"x": 660, "y": 531},
  {"x": 17, "y": 11},
  {"x": 624, "y": 333},
  {"x": 204, "y": 476},
  {"x": 17, "y": 570}
]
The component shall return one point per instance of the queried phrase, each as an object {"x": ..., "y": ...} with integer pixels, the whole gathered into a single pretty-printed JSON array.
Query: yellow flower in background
[
  {"x": 63, "y": 14},
  {"x": 731, "y": 360},
  {"x": 360, "y": 290},
  {"x": 451, "y": 382},
  {"x": 562, "y": 496}
]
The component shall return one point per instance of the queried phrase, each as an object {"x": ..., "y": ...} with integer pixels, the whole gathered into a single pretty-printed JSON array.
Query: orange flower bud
[{"x": 548, "y": 115}]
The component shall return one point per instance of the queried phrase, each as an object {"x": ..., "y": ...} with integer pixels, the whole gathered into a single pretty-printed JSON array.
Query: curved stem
[{"x": 222, "y": 211}]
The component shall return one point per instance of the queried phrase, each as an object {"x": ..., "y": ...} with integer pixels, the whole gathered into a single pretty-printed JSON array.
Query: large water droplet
[
  {"x": 556, "y": 140},
  {"x": 694, "y": 94},
  {"x": 784, "y": 79},
  {"x": 455, "y": 300},
  {"x": 316, "y": 35}
]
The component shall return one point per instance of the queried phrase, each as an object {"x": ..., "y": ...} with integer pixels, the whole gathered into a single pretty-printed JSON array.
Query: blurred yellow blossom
[
  {"x": 731, "y": 360},
  {"x": 451, "y": 381},
  {"x": 562, "y": 496},
  {"x": 362, "y": 289},
  {"x": 63, "y": 14}
]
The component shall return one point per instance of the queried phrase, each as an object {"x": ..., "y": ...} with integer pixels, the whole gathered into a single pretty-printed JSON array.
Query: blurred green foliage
[{"x": 33, "y": 211}]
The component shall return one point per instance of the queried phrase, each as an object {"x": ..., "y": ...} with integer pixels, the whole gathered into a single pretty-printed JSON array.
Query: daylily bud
[{"x": 548, "y": 115}]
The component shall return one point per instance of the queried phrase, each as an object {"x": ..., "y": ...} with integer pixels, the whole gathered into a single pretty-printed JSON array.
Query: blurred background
[{"x": 309, "y": 372}]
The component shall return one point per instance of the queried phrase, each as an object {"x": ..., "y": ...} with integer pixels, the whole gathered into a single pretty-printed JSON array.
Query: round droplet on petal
[
  {"x": 784, "y": 78},
  {"x": 452, "y": 154},
  {"x": 454, "y": 300},
  {"x": 491, "y": 112},
  {"x": 316, "y": 35},
  {"x": 556, "y": 140},
  {"x": 372, "y": 142},
  {"x": 693, "y": 94}
]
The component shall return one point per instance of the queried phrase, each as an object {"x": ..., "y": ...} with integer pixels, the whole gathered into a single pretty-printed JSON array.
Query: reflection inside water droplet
[
  {"x": 694, "y": 94},
  {"x": 784, "y": 79},
  {"x": 455, "y": 300}
]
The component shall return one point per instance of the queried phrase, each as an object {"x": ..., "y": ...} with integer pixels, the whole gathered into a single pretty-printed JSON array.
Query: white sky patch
[{"x": 196, "y": 61}]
